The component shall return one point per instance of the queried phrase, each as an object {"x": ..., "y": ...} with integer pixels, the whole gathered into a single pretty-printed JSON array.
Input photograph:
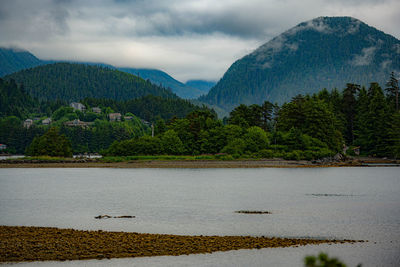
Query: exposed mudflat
[
  {"x": 175, "y": 164},
  {"x": 19, "y": 243}
]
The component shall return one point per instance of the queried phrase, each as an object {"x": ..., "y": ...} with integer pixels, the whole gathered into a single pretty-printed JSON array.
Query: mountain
[
  {"x": 14, "y": 101},
  {"x": 204, "y": 86},
  {"x": 13, "y": 59},
  {"x": 161, "y": 78},
  {"x": 326, "y": 52},
  {"x": 73, "y": 82}
]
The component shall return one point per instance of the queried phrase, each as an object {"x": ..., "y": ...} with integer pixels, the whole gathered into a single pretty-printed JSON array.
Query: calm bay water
[{"x": 340, "y": 203}]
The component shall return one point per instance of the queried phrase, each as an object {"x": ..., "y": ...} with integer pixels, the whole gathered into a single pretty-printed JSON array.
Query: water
[{"x": 340, "y": 203}]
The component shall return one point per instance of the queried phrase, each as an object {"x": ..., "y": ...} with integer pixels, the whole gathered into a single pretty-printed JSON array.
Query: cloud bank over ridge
[{"x": 186, "y": 38}]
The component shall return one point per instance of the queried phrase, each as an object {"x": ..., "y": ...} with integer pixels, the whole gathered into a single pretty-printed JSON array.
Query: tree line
[{"x": 308, "y": 127}]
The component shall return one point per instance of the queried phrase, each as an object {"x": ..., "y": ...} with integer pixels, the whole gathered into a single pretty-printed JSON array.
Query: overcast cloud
[{"x": 189, "y": 39}]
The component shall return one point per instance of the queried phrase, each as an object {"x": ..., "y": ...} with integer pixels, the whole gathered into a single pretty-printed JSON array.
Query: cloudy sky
[{"x": 189, "y": 39}]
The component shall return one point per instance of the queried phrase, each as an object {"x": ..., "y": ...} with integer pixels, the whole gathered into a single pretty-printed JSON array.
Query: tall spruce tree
[
  {"x": 349, "y": 110},
  {"x": 393, "y": 90},
  {"x": 377, "y": 121}
]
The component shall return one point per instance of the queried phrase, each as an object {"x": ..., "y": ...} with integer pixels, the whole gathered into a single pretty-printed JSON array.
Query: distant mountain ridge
[
  {"x": 159, "y": 77},
  {"x": 14, "y": 59},
  {"x": 326, "y": 52}
]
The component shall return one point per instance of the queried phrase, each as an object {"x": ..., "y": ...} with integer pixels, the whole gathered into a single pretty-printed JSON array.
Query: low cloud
[
  {"x": 186, "y": 38},
  {"x": 365, "y": 58}
]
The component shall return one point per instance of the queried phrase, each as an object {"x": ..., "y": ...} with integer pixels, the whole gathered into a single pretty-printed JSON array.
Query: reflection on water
[{"x": 341, "y": 203}]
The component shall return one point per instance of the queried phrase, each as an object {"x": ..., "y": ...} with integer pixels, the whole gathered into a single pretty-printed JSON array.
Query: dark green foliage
[
  {"x": 15, "y": 136},
  {"x": 373, "y": 133},
  {"x": 14, "y": 101},
  {"x": 312, "y": 117},
  {"x": 12, "y": 60},
  {"x": 256, "y": 139},
  {"x": 326, "y": 52},
  {"x": 50, "y": 144},
  {"x": 349, "y": 110},
  {"x": 394, "y": 136},
  {"x": 145, "y": 145},
  {"x": 393, "y": 90},
  {"x": 323, "y": 260},
  {"x": 171, "y": 144},
  {"x": 73, "y": 82},
  {"x": 254, "y": 115},
  {"x": 151, "y": 108}
]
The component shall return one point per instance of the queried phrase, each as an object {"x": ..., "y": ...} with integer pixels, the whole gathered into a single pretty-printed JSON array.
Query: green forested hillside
[
  {"x": 327, "y": 52},
  {"x": 148, "y": 107},
  {"x": 73, "y": 82},
  {"x": 12, "y": 60},
  {"x": 14, "y": 101}
]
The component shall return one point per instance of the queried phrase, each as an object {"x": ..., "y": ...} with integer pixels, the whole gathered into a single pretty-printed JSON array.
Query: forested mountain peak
[
  {"x": 15, "y": 59},
  {"x": 326, "y": 52},
  {"x": 73, "y": 82}
]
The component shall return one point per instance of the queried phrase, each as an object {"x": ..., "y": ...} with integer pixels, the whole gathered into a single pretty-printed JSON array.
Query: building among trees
[{"x": 78, "y": 106}]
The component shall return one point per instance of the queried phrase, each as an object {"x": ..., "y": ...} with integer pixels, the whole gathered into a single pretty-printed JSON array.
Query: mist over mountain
[
  {"x": 202, "y": 85},
  {"x": 159, "y": 77},
  {"x": 14, "y": 59},
  {"x": 326, "y": 52}
]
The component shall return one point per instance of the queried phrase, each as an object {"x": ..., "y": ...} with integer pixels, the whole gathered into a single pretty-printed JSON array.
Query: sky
[{"x": 188, "y": 39}]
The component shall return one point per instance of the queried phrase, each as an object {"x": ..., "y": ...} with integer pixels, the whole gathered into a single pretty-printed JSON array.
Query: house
[
  {"x": 114, "y": 116},
  {"x": 77, "y": 123},
  {"x": 78, "y": 106},
  {"x": 356, "y": 150},
  {"x": 28, "y": 123},
  {"x": 145, "y": 122},
  {"x": 46, "y": 121},
  {"x": 3, "y": 146},
  {"x": 96, "y": 110}
]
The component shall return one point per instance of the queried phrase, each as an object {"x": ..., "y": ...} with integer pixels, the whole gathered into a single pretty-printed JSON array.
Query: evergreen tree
[
  {"x": 377, "y": 121},
  {"x": 394, "y": 135},
  {"x": 393, "y": 90},
  {"x": 50, "y": 144},
  {"x": 362, "y": 128},
  {"x": 349, "y": 110}
]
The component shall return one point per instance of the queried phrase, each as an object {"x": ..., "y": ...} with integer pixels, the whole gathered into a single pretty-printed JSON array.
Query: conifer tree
[{"x": 393, "y": 90}]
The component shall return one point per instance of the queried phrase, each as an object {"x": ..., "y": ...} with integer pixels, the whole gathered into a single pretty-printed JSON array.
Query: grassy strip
[
  {"x": 18, "y": 243},
  {"x": 164, "y": 157}
]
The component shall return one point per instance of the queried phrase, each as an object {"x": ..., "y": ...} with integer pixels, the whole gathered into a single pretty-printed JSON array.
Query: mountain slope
[
  {"x": 326, "y": 52},
  {"x": 159, "y": 77},
  {"x": 14, "y": 101},
  {"x": 73, "y": 82},
  {"x": 202, "y": 85},
  {"x": 12, "y": 60}
]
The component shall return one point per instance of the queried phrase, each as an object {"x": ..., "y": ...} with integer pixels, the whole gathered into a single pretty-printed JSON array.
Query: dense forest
[
  {"x": 17, "y": 105},
  {"x": 72, "y": 82},
  {"x": 308, "y": 127}
]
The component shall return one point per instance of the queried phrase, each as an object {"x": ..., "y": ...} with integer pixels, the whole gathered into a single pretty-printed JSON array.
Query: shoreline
[
  {"x": 28, "y": 243},
  {"x": 262, "y": 163}
]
